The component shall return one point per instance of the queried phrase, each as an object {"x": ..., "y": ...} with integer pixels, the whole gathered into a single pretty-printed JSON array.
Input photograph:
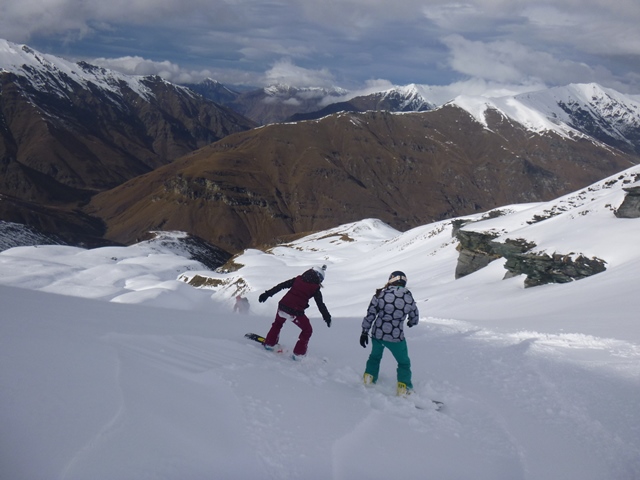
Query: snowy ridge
[
  {"x": 53, "y": 74},
  {"x": 514, "y": 109},
  {"x": 569, "y": 111},
  {"x": 613, "y": 112}
]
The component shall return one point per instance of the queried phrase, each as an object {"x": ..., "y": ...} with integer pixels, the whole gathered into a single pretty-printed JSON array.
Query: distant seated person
[{"x": 242, "y": 305}]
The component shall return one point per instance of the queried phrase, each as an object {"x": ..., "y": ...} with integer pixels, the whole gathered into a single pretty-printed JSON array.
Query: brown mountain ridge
[
  {"x": 406, "y": 169},
  {"x": 58, "y": 149}
]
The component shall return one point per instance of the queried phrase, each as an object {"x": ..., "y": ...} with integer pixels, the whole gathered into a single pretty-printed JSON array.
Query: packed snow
[{"x": 112, "y": 366}]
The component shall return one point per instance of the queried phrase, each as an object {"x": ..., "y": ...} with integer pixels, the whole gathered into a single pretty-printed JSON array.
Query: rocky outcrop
[
  {"x": 478, "y": 249},
  {"x": 541, "y": 268},
  {"x": 630, "y": 207}
]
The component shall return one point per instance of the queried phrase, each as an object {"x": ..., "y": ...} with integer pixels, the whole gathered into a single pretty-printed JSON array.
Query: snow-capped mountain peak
[
  {"x": 57, "y": 75},
  {"x": 570, "y": 111},
  {"x": 411, "y": 97},
  {"x": 515, "y": 110},
  {"x": 591, "y": 108}
]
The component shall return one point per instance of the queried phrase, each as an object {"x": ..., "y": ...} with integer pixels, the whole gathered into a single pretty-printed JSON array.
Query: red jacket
[{"x": 301, "y": 289}]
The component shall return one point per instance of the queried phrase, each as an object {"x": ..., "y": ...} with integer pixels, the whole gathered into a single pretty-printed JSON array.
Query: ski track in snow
[
  {"x": 502, "y": 396},
  {"x": 563, "y": 396}
]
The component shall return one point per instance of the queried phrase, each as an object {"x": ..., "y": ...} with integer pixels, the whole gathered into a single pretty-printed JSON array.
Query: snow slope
[{"x": 111, "y": 366}]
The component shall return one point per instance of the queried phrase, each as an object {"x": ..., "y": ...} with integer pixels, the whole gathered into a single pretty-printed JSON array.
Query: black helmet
[{"x": 397, "y": 278}]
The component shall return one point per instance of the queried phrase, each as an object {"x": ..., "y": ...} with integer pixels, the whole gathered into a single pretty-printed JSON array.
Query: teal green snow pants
[{"x": 400, "y": 353}]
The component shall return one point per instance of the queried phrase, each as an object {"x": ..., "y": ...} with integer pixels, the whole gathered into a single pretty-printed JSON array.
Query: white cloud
[
  {"x": 20, "y": 20},
  {"x": 141, "y": 66},
  {"x": 285, "y": 72},
  {"x": 510, "y": 62},
  {"x": 480, "y": 87},
  {"x": 369, "y": 87}
]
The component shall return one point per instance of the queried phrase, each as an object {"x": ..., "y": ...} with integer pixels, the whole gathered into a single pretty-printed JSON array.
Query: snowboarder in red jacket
[{"x": 292, "y": 306}]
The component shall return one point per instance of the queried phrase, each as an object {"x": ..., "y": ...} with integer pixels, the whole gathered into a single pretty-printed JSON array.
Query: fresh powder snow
[{"x": 112, "y": 366}]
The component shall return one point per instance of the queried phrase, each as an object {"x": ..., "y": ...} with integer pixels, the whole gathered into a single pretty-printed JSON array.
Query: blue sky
[{"x": 354, "y": 44}]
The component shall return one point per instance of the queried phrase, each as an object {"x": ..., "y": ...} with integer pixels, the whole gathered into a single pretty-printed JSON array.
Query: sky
[
  {"x": 473, "y": 46},
  {"x": 113, "y": 367}
]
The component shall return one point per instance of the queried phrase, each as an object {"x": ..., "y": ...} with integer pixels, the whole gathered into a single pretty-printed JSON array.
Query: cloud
[
  {"x": 285, "y": 72},
  {"x": 141, "y": 66},
  {"x": 347, "y": 42},
  {"x": 369, "y": 87},
  {"x": 26, "y": 18},
  {"x": 506, "y": 61}
]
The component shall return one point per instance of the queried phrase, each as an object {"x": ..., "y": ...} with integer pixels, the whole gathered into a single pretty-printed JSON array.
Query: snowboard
[
  {"x": 423, "y": 403},
  {"x": 439, "y": 405},
  {"x": 415, "y": 399},
  {"x": 260, "y": 339}
]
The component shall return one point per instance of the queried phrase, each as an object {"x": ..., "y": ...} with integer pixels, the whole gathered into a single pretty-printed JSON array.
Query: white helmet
[{"x": 320, "y": 271}]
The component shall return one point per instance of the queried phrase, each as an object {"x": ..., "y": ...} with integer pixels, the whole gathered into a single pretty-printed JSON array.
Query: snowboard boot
[
  {"x": 402, "y": 390},
  {"x": 368, "y": 379}
]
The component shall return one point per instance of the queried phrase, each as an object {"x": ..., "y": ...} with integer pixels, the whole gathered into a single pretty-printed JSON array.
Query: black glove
[
  {"x": 364, "y": 340},
  {"x": 327, "y": 319},
  {"x": 263, "y": 297}
]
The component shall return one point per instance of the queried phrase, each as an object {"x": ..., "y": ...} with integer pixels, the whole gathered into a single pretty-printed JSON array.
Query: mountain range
[
  {"x": 97, "y": 156},
  {"x": 284, "y": 103},
  {"x": 70, "y": 130},
  {"x": 275, "y": 103},
  {"x": 407, "y": 169}
]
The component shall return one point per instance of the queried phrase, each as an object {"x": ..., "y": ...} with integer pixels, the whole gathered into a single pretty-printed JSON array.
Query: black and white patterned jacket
[{"x": 387, "y": 311}]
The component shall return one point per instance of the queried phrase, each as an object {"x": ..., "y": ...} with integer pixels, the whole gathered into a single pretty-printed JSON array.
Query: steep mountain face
[
  {"x": 70, "y": 130},
  {"x": 406, "y": 99},
  {"x": 406, "y": 169}
]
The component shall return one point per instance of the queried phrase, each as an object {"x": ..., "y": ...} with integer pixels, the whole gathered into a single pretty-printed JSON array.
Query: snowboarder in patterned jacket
[
  {"x": 385, "y": 317},
  {"x": 292, "y": 306}
]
